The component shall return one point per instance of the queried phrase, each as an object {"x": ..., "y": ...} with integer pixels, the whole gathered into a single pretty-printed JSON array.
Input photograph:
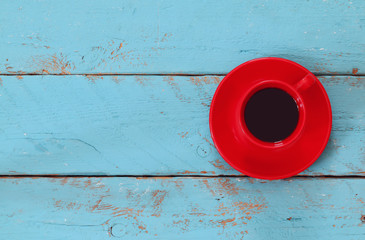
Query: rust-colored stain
[
  {"x": 205, "y": 105},
  {"x": 141, "y": 80},
  {"x": 197, "y": 214},
  {"x": 206, "y": 183},
  {"x": 199, "y": 81},
  {"x": 64, "y": 181},
  {"x": 1, "y": 82},
  {"x": 83, "y": 183},
  {"x": 182, "y": 224},
  {"x": 54, "y": 63},
  {"x": 357, "y": 82},
  {"x": 207, "y": 140},
  {"x": 117, "y": 79},
  {"x": 201, "y": 172},
  {"x": 237, "y": 213},
  {"x": 158, "y": 197},
  {"x": 126, "y": 212},
  {"x": 92, "y": 78},
  {"x": 251, "y": 180},
  {"x": 223, "y": 223},
  {"x": 97, "y": 204},
  {"x": 354, "y": 71},
  {"x": 112, "y": 52},
  {"x": 60, "y": 204},
  {"x": 176, "y": 88},
  {"x": 179, "y": 184},
  {"x": 183, "y": 134},
  {"x": 165, "y": 37},
  {"x": 220, "y": 165},
  {"x": 229, "y": 187},
  {"x": 19, "y": 77}
]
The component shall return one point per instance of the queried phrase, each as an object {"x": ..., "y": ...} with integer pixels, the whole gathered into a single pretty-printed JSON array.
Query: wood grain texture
[
  {"x": 178, "y": 36},
  {"x": 182, "y": 208},
  {"x": 141, "y": 125}
]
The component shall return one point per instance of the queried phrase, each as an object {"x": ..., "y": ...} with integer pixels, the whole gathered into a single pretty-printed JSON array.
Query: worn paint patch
[
  {"x": 352, "y": 81},
  {"x": 222, "y": 186},
  {"x": 56, "y": 63},
  {"x": 113, "y": 52},
  {"x": 176, "y": 88},
  {"x": 199, "y": 81},
  {"x": 63, "y": 205},
  {"x": 228, "y": 186},
  {"x": 141, "y": 80},
  {"x": 186, "y": 172},
  {"x": 117, "y": 79},
  {"x": 220, "y": 165},
  {"x": 84, "y": 183},
  {"x": 158, "y": 197},
  {"x": 183, "y": 134},
  {"x": 93, "y": 78}
]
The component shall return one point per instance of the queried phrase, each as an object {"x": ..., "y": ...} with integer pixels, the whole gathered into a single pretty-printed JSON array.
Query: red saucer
[{"x": 250, "y": 155}]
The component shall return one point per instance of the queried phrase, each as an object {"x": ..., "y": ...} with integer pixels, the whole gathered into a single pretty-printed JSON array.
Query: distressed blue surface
[
  {"x": 91, "y": 122},
  {"x": 178, "y": 36},
  {"x": 182, "y": 208},
  {"x": 144, "y": 125}
]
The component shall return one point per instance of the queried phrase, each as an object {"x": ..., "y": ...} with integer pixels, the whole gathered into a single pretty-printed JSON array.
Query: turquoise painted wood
[
  {"x": 137, "y": 125},
  {"x": 121, "y": 109},
  {"x": 182, "y": 208},
  {"x": 160, "y": 36}
]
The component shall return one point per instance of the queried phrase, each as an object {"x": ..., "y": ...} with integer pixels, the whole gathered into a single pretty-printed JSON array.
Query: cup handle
[{"x": 307, "y": 81}]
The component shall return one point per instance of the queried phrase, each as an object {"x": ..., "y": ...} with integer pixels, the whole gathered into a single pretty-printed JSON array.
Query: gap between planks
[
  {"x": 174, "y": 176},
  {"x": 160, "y": 74}
]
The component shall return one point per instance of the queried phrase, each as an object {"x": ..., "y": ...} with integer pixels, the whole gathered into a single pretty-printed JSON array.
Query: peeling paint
[
  {"x": 51, "y": 64},
  {"x": 220, "y": 165},
  {"x": 199, "y": 81},
  {"x": 92, "y": 78},
  {"x": 117, "y": 79},
  {"x": 183, "y": 134},
  {"x": 201, "y": 172},
  {"x": 229, "y": 187},
  {"x": 158, "y": 197}
]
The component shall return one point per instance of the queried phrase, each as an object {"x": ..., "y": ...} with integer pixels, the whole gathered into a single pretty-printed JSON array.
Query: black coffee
[{"x": 271, "y": 115}]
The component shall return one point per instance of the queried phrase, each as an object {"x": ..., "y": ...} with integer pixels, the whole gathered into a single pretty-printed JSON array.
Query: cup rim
[{"x": 298, "y": 101}]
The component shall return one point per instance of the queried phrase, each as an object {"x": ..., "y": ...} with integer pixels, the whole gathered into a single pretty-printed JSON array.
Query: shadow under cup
[{"x": 272, "y": 114}]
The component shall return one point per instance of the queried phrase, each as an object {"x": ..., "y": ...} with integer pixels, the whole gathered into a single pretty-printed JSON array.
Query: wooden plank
[
  {"x": 182, "y": 208},
  {"x": 137, "y": 125},
  {"x": 178, "y": 36}
]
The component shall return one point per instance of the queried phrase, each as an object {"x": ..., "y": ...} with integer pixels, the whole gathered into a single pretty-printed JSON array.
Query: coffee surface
[{"x": 271, "y": 115}]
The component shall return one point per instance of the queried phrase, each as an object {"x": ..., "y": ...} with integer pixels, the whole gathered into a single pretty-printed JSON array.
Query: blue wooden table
[{"x": 104, "y": 119}]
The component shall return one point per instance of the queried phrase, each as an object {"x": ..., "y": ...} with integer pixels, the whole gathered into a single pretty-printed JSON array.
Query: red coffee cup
[{"x": 238, "y": 144}]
